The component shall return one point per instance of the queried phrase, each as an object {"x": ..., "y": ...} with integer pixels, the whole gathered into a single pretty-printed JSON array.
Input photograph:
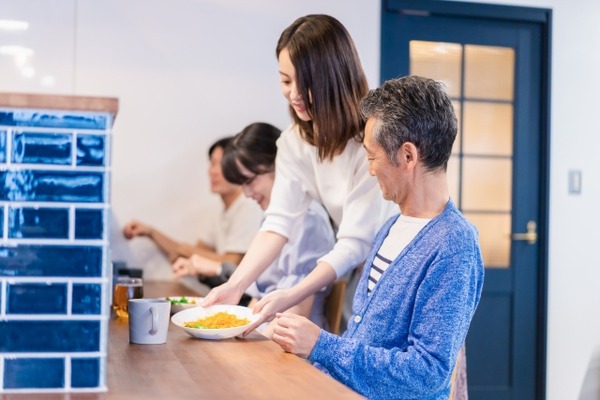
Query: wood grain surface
[{"x": 189, "y": 368}]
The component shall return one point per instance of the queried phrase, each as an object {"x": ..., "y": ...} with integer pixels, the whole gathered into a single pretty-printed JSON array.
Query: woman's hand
[
  {"x": 226, "y": 293},
  {"x": 295, "y": 334},
  {"x": 274, "y": 302}
]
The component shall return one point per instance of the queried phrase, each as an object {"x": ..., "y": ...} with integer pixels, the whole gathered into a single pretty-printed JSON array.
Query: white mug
[{"x": 148, "y": 320}]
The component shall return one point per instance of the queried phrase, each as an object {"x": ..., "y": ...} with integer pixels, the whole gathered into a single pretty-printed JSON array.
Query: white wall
[{"x": 190, "y": 71}]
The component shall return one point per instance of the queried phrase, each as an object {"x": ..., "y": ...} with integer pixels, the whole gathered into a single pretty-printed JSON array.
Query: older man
[{"x": 422, "y": 280}]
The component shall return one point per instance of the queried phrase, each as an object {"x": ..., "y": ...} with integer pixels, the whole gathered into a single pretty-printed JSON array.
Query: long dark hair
[
  {"x": 329, "y": 73},
  {"x": 254, "y": 148}
]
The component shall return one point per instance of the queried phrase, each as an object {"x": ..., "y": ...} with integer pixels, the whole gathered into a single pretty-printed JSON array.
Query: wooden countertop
[
  {"x": 187, "y": 368},
  {"x": 59, "y": 102}
]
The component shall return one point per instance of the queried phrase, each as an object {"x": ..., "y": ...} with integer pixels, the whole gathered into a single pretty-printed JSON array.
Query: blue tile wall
[
  {"x": 90, "y": 150},
  {"x": 51, "y": 261},
  {"x": 85, "y": 372},
  {"x": 41, "y": 148},
  {"x": 53, "y": 119},
  {"x": 32, "y": 298},
  {"x": 87, "y": 299},
  {"x": 55, "y": 278},
  {"x": 55, "y": 186},
  {"x": 2, "y": 146},
  {"x": 38, "y": 223},
  {"x": 38, "y": 373},
  {"x": 88, "y": 224},
  {"x": 49, "y": 336}
]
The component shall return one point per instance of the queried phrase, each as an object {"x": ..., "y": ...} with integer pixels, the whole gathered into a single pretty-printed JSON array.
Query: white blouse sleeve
[
  {"x": 289, "y": 198},
  {"x": 346, "y": 190},
  {"x": 360, "y": 220}
]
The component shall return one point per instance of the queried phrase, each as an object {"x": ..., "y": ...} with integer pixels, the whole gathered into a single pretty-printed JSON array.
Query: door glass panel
[
  {"x": 489, "y": 72},
  {"x": 488, "y": 128},
  {"x": 480, "y": 81},
  {"x": 457, "y": 143},
  {"x": 486, "y": 184},
  {"x": 453, "y": 174},
  {"x": 438, "y": 60},
  {"x": 494, "y": 237}
]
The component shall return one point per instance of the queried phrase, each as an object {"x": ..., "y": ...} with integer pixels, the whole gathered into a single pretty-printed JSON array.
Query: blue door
[{"x": 493, "y": 60}]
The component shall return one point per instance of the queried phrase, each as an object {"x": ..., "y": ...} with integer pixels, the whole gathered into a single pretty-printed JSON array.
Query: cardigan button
[{"x": 357, "y": 319}]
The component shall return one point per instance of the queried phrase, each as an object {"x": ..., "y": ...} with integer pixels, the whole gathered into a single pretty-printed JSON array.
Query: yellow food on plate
[{"x": 220, "y": 320}]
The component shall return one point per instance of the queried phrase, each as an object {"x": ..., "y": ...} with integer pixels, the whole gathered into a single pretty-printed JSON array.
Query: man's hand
[
  {"x": 196, "y": 265},
  {"x": 295, "y": 334},
  {"x": 183, "y": 267},
  {"x": 136, "y": 228}
]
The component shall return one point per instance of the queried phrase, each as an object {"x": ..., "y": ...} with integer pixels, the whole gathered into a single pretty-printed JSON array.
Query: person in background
[
  {"x": 319, "y": 158},
  {"x": 422, "y": 280},
  {"x": 249, "y": 160},
  {"x": 227, "y": 233}
]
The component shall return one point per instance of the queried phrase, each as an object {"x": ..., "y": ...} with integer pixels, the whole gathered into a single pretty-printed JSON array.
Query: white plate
[
  {"x": 192, "y": 314},
  {"x": 176, "y": 307}
]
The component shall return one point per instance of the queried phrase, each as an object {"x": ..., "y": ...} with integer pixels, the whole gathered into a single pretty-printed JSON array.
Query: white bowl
[
  {"x": 192, "y": 314},
  {"x": 176, "y": 306}
]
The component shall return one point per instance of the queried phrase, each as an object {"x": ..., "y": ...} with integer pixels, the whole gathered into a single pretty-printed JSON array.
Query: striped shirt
[{"x": 400, "y": 235}]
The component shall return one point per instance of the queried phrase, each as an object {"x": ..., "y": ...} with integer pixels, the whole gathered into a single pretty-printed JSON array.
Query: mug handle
[{"x": 154, "y": 327}]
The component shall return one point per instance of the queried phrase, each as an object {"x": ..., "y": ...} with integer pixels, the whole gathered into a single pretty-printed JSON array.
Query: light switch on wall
[{"x": 575, "y": 182}]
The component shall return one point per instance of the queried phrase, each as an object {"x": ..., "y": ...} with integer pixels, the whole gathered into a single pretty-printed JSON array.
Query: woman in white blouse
[{"x": 320, "y": 158}]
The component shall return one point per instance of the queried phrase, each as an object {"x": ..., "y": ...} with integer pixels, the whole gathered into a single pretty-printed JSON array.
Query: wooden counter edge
[{"x": 59, "y": 102}]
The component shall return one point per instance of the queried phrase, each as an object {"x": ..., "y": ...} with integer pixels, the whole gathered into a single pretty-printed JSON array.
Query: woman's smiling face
[
  {"x": 289, "y": 85},
  {"x": 258, "y": 186}
]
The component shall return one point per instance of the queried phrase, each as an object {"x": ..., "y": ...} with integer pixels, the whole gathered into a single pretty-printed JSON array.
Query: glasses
[{"x": 250, "y": 180}]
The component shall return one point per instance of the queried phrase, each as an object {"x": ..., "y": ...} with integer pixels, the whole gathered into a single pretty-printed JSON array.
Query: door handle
[{"x": 530, "y": 236}]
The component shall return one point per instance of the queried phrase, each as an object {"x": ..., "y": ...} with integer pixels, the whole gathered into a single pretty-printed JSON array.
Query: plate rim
[{"x": 207, "y": 333}]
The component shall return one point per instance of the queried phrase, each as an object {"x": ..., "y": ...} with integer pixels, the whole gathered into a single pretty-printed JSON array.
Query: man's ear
[{"x": 408, "y": 153}]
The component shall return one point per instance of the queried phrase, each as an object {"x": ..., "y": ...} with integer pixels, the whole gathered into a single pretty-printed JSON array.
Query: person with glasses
[{"x": 249, "y": 161}]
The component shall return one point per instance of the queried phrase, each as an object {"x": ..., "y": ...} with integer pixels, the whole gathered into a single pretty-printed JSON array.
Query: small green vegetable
[
  {"x": 181, "y": 300},
  {"x": 200, "y": 326}
]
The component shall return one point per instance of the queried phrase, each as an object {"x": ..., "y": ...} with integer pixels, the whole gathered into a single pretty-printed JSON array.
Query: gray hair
[{"x": 412, "y": 109}]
